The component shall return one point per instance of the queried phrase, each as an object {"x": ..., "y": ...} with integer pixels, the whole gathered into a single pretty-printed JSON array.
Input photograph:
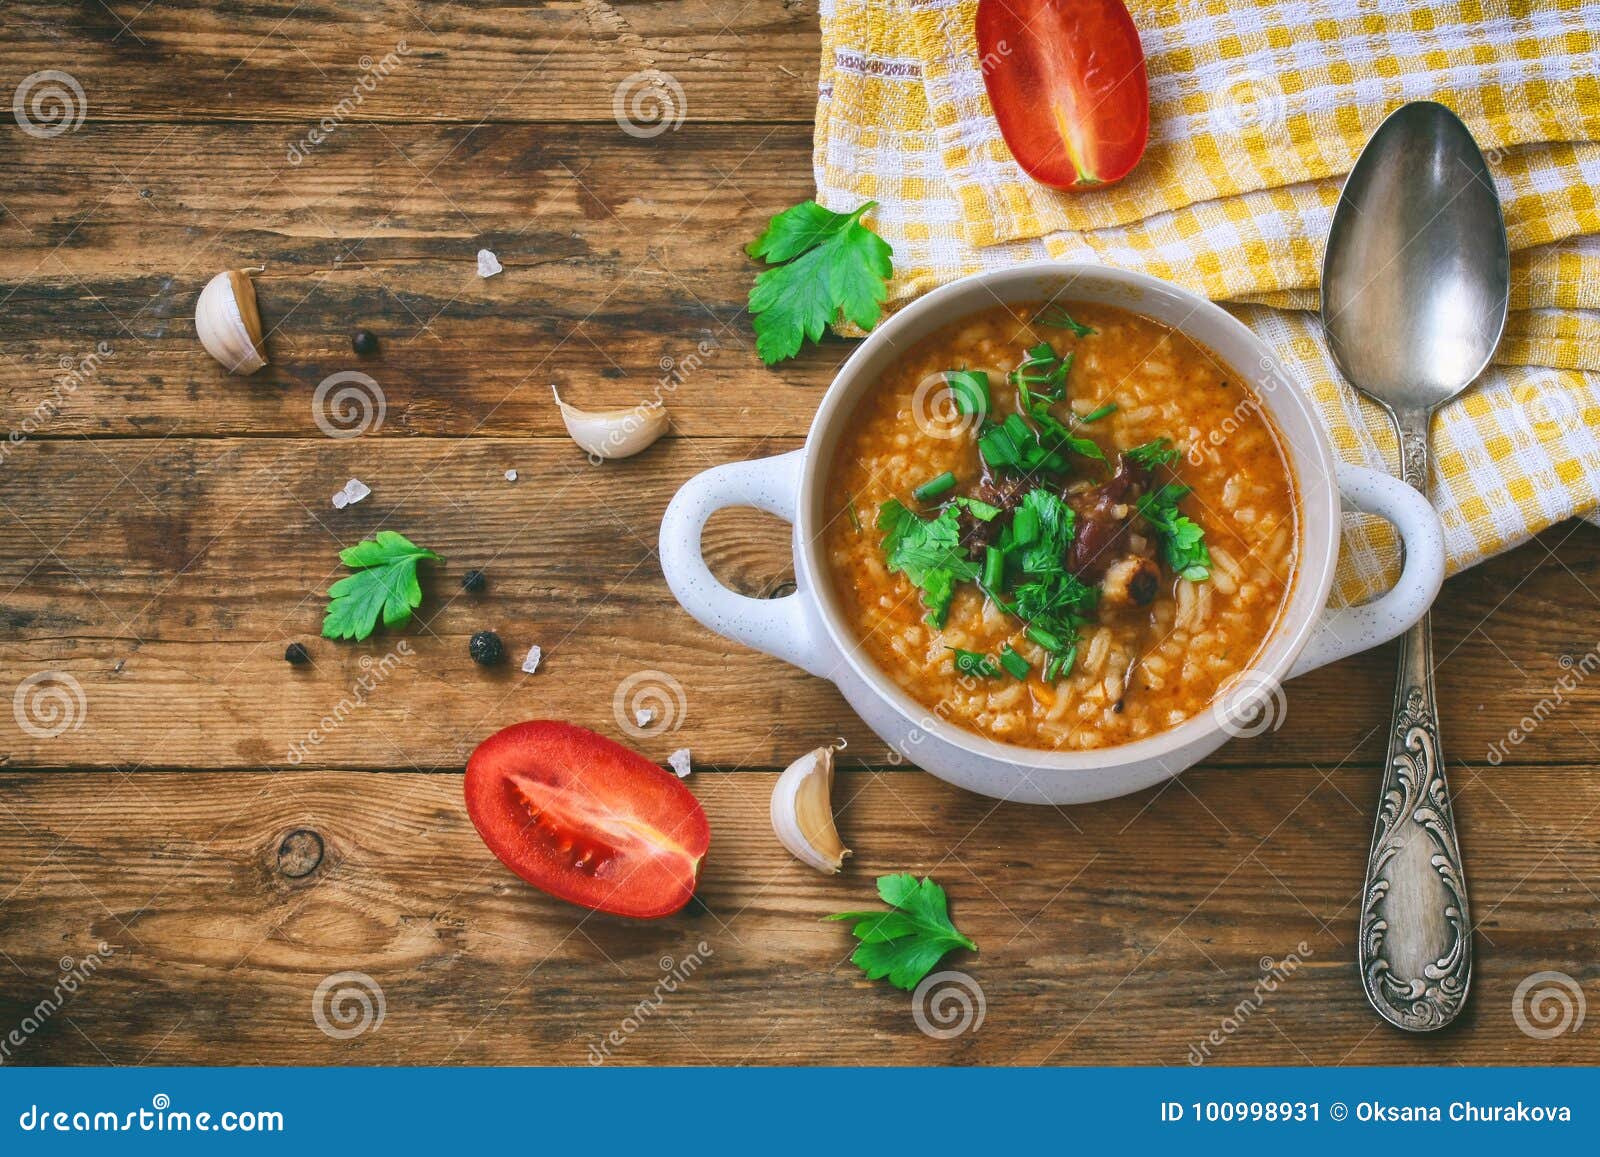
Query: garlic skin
[
  {"x": 802, "y": 812},
  {"x": 229, "y": 323},
  {"x": 614, "y": 433}
]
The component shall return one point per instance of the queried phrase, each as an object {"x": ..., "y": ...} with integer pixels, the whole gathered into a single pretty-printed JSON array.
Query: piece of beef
[
  {"x": 1005, "y": 493},
  {"x": 1110, "y": 529}
]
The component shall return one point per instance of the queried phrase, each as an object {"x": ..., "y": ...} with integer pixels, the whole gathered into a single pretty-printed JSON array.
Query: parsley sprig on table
[
  {"x": 385, "y": 583},
  {"x": 906, "y": 942},
  {"x": 824, "y": 265}
]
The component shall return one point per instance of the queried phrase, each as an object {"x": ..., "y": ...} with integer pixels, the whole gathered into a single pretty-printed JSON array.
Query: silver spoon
[{"x": 1414, "y": 291}]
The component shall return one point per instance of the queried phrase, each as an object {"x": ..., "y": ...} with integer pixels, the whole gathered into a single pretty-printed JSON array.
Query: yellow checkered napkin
[{"x": 1258, "y": 109}]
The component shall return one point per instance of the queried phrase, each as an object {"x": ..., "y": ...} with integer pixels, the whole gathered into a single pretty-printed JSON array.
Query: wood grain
[
  {"x": 1113, "y": 933},
  {"x": 472, "y": 62},
  {"x": 167, "y": 578},
  {"x": 613, "y": 289}
]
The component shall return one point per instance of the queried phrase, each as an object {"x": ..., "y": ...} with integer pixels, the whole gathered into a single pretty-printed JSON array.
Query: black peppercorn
[
  {"x": 297, "y": 654},
  {"x": 364, "y": 342},
  {"x": 474, "y": 581},
  {"x": 485, "y": 648}
]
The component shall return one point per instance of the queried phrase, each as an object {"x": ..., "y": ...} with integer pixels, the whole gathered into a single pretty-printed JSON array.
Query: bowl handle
[
  {"x": 1350, "y": 629},
  {"x": 780, "y": 627}
]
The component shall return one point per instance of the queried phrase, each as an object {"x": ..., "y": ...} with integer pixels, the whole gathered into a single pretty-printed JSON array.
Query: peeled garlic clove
[
  {"x": 229, "y": 324},
  {"x": 614, "y": 433},
  {"x": 802, "y": 812}
]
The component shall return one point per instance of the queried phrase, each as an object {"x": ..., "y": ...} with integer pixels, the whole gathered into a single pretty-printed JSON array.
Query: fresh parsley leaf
[
  {"x": 928, "y": 552},
  {"x": 1057, "y": 318},
  {"x": 825, "y": 265},
  {"x": 1182, "y": 540},
  {"x": 979, "y": 509},
  {"x": 972, "y": 663},
  {"x": 1054, "y": 524},
  {"x": 1161, "y": 452},
  {"x": 385, "y": 583},
  {"x": 906, "y": 942},
  {"x": 1042, "y": 376}
]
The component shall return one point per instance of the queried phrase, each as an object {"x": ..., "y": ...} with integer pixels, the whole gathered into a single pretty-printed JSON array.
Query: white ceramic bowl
[{"x": 808, "y": 629}]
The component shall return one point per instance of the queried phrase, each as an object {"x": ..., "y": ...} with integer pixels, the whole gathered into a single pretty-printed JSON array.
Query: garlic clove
[
  {"x": 802, "y": 812},
  {"x": 614, "y": 433},
  {"x": 229, "y": 323}
]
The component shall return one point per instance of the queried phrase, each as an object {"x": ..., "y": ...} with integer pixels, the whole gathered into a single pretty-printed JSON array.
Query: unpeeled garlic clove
[
  {"x": 614, "y": 433},
  {"x": 802, "y": 812},
  {"x": 228, "y": 322}
]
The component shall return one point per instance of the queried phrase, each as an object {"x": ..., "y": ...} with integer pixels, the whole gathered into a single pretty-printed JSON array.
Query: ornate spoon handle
[{"x": 1415, "y": 946}]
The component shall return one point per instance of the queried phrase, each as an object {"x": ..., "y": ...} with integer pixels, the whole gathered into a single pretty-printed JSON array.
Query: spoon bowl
[{"x": 1418, "y": 269}]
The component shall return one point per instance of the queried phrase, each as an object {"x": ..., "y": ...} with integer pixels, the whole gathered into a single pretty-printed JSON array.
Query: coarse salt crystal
[
  {"x": 679, "y": 762},
  {"x": 511, "y": 475},
  {"x": 531, "y": 663},
  {"x": 353, "y": 491},
  {"x": 488, "y": 264},
  {"x": 645, "y": 716}
]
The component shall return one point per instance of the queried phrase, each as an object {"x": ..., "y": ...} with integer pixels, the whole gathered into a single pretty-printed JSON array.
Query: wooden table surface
[{"x": 168, "y": 530}]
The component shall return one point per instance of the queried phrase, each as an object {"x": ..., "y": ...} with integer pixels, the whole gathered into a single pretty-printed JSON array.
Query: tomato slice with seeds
[
  {"x": 1067, "y": 82},
  {"x": 586, "y": 819}
]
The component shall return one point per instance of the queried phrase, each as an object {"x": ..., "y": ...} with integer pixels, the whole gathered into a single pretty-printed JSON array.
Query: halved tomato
[
  {"x": 587, "y": 820},
  {"x": 1067, "y": 82}
]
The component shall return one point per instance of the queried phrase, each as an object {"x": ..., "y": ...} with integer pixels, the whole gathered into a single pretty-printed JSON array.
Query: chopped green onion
[
  {"x": 1024, "y": 526},
  {"x": 1044, "y": 638},
  {"x": 1099, "y": 412},
  {"x": 1061, "y": 665},
  {"x": 994, "y": 568},
  {"x": 970, "y": 389},
  {"x": 972, "y": 663},
  {"x": 1013, "y": 662},
  {"x": 934, "y": 487}
]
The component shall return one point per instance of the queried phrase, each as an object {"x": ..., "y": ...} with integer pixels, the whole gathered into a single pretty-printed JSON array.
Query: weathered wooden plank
[
  {"x": 1123, "y": 932},
  {"x": 624, "y": 276},
  {"x": 167, "y": 578},
  {"x": 399, "y": 61}
]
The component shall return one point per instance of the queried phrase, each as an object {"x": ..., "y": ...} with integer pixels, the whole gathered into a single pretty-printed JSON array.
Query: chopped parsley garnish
[
  {"x": 972, "y": 663},
  {"x": 1182, "y": 541},
  {"x": 1042, "y": 376},
  {"x": 825, "y": 266},
  {"x": 1013, "y": 662},
  {"x": 850, "y": 509},
  {"x": 1161, "y": 452},
  {"x": 1057, "y": 318},
  {"x": 928, "y": 552},
  {"x": 1014, "y": 445},
  {"x": 385, "y": 582},
  {"x": 906, "y": 942}
]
